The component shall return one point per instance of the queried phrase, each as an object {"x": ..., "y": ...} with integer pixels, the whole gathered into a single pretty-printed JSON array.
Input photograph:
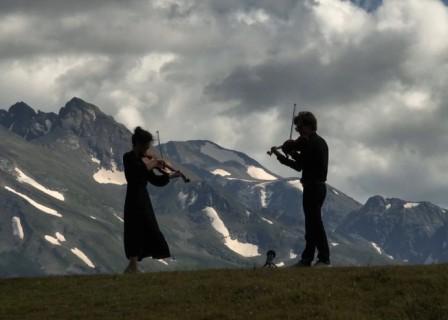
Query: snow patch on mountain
[
  {"x": 60, "y": 236},
  {"x": 296, "y": 184},
  {"x": 243, "y": 249},
  {"x": 193, "y": 198},
  {"x": 182, "y": 197},
  {"x": 267, "y": 220},
  {"x": 17, "y": 229},
  {"x": 52, "y": 240},
  {"x": 23, "y": 178},
  {"x": 388, "y": 206},
  {"x": 118, "y": 217},
  {"x": 245, "y": 180},
  {"x": 259, "y": 173},
  {"x": 334, "y": 244},
  {"x": 430, "y": 260},
  {"x": 377, "y": 247},
  {"x": 221, "y": 172},
  {"x": 187, "y": 199},
  {"x": 411, "y": 205},
  {"x": 263, "y": 198},
  {"x": 220, "y": 154},
  {"x": 280, "y": 264},
  {"x": 81, "y": 255},
  {"x": 95, "y": 160},
  {"x": 292, "y": 254},
  {"x": 35, "y": 204},
  {"x": 113, "y": 176},
  {"x": 163, "y": 262},
  {"x": 263, "y": 195}
]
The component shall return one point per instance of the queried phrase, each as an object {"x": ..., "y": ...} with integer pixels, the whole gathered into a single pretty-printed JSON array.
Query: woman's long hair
[{"x": 141, "y": 136}]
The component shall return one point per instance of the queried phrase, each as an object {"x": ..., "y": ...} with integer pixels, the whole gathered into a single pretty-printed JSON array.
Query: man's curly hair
[{"x": 306, "y": 118}]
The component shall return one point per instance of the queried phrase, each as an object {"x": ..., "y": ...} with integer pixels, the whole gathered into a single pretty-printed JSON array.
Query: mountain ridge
[{"x": 256, "y": 209}]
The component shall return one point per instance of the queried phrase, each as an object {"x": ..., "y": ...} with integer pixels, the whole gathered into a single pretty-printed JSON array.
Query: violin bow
[
  {"x": 159, "y": 145},
  {"x": 292, "y": 121},
  {"x": 186, "y": 180},
  {"x": 290, "y": 132}
]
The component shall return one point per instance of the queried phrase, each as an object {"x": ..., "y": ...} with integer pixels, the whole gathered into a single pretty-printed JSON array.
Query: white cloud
[{"x": 252, "y": 17}]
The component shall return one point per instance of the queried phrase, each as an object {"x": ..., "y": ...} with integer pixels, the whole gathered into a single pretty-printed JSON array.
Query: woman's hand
[{"x": 152, "y": 163}]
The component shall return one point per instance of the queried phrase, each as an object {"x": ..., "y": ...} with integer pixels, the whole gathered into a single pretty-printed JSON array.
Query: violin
[
  {"x": 166, "y": 168},
  {"x": 289, "y": 146}
]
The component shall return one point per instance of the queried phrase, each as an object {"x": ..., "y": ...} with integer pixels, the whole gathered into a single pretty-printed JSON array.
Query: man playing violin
[{"x": 309, "y": 154}]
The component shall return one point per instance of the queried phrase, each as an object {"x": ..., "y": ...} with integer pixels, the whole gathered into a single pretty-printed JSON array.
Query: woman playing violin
[{"x": 142, "y": 236}]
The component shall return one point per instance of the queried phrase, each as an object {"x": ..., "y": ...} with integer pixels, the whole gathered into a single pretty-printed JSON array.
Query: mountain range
[{"x": 62, "y": 192}]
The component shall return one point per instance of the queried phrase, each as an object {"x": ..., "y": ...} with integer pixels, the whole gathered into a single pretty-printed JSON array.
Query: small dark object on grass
[{"x": 270, "y": 256}]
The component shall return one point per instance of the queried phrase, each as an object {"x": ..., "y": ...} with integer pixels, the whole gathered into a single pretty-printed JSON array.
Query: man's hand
[{"x": 274, "y": 150}]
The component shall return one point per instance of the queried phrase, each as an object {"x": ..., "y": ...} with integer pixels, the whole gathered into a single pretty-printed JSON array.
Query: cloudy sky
[{"x": 230, "y": 71}]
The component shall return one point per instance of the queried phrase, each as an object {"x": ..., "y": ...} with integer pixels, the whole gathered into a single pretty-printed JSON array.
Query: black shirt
[{"x": 312, "y": 160}]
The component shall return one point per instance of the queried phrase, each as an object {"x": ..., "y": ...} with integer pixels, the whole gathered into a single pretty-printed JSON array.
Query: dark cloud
[
  {"x": 279, "y": 8},
  {"x": 229, "y": 71},
  {"x": 312, "y": 81},
  {"x": 51, "y": 7}
]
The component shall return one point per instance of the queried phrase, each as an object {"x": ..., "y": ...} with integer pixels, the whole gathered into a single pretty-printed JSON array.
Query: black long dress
[{"x": 142, "y": 236}]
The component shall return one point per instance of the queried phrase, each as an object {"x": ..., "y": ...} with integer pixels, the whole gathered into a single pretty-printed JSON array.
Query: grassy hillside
[{"x": 419, "y": 292}]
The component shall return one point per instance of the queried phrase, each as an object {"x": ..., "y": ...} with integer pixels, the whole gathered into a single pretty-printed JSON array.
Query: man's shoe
[
  {"x": 321, "y": 263},
  {"x": 303, "y": 264}
]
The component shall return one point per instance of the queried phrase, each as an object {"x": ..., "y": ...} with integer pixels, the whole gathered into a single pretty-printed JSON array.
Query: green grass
[{"x": 417, "y": 292}]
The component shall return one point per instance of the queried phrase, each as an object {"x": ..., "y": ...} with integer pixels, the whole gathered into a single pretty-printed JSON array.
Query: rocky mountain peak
[
  {"x": 21, "y": 110},
  {"x": 80, "y": 117},
  {"x": 80, "y": 109},
  {"x": 375, "y": 202},
  {"x": 19, "y": 119}
]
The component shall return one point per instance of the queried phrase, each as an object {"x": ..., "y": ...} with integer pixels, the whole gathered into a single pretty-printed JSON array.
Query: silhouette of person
[
  {"x": 142, "y": 236},
  {"x": 309, "y": 154}
]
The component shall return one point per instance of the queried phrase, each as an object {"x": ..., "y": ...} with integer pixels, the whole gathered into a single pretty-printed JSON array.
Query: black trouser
[{"x": 315, "y": 236}]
